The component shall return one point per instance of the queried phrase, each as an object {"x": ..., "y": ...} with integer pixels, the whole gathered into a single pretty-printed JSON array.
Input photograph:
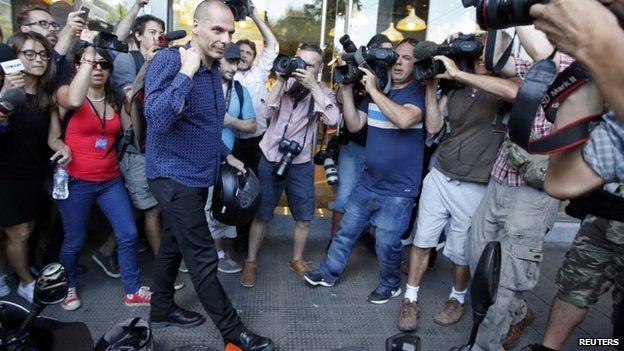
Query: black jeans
[
  {"x": 186, "y": 235},
  {"x": 248, "y": 151}
]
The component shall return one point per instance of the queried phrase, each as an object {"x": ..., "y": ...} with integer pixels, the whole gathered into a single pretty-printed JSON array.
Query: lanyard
[
  {"x": 101, "y": 118},
  {"x": 228, "y": 96},
  {"x": 310, "y": 115}
]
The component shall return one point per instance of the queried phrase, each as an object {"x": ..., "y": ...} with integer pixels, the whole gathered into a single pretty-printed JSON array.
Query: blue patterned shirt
[
  {"x": 184, "y": 122},
  {"x": 604, "y": 152}
]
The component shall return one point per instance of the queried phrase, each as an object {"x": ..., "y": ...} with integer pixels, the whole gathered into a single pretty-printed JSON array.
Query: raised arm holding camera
[
  {"x": 474, "y": 130},
  {"x": 294, "y": 106},
  {"x": 386, "y": 189}
]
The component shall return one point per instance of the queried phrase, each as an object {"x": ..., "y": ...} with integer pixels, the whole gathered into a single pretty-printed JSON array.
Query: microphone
[
  {"x": 12, "y": 99},
  {"x": 164, "y": 40},
  {"x": 424, "y": 50}
]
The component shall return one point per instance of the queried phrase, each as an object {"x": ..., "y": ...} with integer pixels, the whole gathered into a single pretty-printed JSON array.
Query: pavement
[{"x": 300, "y": 317}]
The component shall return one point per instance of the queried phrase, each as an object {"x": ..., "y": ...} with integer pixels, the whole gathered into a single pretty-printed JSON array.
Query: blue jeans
[
  {"x": 113, "y": 200},
  {"x": 350, "y": 166},
  {"x": 389, "y": 215}
]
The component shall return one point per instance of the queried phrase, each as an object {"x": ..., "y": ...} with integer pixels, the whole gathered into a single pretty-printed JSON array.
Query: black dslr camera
[
  {"x": 500, "y": 14},
  {"x": 240, "y": 8},
  {"x": 379, "y": 60},
  {"x": 463, "y": 50},
  {"x": 286, "y": 65},
  {"x": 328, "y": 158},
  {"x": 290, "y": 149}
]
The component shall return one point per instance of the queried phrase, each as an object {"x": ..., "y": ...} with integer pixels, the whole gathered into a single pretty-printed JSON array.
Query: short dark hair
[
  {"x": 312, "y": 47},
  {"x": 138, "y": 26},
  {"x": 412, "y": 41},
  {"x": 24, "y": 16},
  {"x": 249, "y": 43},
  {"x": 377, "y": 40}
]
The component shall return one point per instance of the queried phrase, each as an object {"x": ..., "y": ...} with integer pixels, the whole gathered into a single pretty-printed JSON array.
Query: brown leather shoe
[
  {"x": 451, "y": 312},
  {"x": 299, "y": 266},
  {"x": 248, "y": 277},
  {"x": 515, "y": 331},
  {"x": 408, "y": 316}
]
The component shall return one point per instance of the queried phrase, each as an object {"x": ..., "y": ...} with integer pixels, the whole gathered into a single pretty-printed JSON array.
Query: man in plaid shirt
[{"x": 518, "y": 216}]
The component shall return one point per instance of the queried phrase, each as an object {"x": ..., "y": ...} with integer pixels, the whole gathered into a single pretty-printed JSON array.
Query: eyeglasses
[
  {"x": 32, "y": 54},
  {"x": 45, "y": 24}
]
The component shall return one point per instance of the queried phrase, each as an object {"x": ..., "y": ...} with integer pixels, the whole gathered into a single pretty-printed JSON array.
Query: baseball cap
[{"x": 232, "y": 52}]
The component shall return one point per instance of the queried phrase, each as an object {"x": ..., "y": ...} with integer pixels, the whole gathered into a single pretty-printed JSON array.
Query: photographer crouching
[
  {"x": 385, "y": 192},
  {"x": 293, "y": 108}
]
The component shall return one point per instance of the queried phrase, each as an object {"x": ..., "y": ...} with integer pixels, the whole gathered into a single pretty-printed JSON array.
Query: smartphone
[{"x": 85, "y": 15}]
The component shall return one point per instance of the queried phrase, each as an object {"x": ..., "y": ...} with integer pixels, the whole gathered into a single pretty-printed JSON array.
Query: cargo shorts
[{"x": 594, "y": 264}]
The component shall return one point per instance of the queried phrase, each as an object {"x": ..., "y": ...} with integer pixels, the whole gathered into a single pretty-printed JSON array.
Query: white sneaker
[
  {"x": 4, "y": 288},
  {"x": 72, "y": 301},
  {"x": 26, "y": 291}
]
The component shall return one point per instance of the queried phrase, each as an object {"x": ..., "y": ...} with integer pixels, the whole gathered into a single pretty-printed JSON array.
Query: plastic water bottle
[{"x": 61, "y": 178}]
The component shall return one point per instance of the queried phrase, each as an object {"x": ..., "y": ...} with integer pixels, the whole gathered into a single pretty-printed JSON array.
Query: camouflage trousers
[{"x": 594, "y": 264}]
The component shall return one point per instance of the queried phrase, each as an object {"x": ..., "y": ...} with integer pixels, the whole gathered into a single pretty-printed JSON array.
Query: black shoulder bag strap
[{"x": 241, "y": 97}]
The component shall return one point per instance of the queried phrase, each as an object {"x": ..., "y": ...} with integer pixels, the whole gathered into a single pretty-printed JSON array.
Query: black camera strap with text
[{"x": 543, "y": 87}]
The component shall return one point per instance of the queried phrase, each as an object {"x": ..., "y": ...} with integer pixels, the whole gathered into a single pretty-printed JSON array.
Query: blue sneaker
[
  {"x": 316, "y": 278},
  {"x": 382, "y": 295},
  {"x": 4, "y": 288}
]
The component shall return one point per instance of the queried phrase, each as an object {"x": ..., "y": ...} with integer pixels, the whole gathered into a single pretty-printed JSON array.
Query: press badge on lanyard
[{"x": 100, "y": 142}]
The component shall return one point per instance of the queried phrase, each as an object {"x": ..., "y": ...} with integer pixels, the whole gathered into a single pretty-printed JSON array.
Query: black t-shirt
[{"x": 24, "y": 150}]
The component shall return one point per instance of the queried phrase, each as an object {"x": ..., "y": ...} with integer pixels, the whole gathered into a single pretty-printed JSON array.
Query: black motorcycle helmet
[
  {"x": 133, "y": 334},
  {"x": 235, "y": 198}
]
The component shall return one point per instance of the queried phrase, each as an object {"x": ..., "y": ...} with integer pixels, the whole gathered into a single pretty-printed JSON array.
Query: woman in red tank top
[{"x": 93, "y": 122}]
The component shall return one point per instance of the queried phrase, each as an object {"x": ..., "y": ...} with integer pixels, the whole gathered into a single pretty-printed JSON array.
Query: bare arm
[
  {"x": 434, "y": 122},
  {"x": 55, "y": 142},
  {"x": 67, "y": 36},
  {"x": 502, "y": 88},
  {"x": 536, "y": 44},
  {"x": 72, "y": 96},
  {"x": 354, "y": 119},
  {"x": 243, "y": 125},
  {"x": 125, "y": 25},
  {"x": 270, "y": 41}
]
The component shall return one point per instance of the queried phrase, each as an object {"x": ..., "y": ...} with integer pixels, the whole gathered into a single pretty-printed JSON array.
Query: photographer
[
  {"x": 590, "y": 32},
  {"x": 293, "y": 107},
  {"x": 351, "y": 157},
  {"x": 513, "y": 201},
  {"x": 386, "y": 189},
  {"x": 127, "y": 25},
  {"x": 454, "y": 188},
  {"x": 254, "y": 78}
]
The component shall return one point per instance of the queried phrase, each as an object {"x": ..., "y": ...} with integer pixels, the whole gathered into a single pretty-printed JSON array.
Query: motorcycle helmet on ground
[
  {"x": 133, "y": 334},
  {"x": 236, "y": 197}
]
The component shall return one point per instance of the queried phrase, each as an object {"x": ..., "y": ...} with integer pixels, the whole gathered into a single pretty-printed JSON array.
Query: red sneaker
[
  {"x": 142, "y": 297},
  {"x": 72, "y": 301}
]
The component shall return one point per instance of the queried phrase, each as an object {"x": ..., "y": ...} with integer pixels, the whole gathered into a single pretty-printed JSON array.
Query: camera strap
[
  {"x": 542, "y": 87},
  {"x": 309, "y": 115},
  {"x": 361, "y": 62},
  {"x": 490, "y": 48}
]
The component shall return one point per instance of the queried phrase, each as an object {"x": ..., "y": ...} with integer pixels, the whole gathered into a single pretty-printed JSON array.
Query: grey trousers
[{"x": 519, "y": 218}]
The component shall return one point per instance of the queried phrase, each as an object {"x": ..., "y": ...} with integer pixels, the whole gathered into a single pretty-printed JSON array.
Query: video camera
[
  {"x": 240, "y": 8},
  {"x": 378, "y": 60},
  {"x": 108, "y": 41},
  {"x": 463, "y": 49},
  {"x": 500, "y": 14},
  {"x": 286, "y": 65}
]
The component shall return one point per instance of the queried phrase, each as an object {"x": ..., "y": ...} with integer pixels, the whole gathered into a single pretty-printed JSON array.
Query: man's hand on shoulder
[{"x": 190, "y": 61}]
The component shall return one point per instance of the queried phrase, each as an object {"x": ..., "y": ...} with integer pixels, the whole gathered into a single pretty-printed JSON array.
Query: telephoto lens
[
  {"x": 331, "y": 172},
  {"x": 501, "y": 14}
]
